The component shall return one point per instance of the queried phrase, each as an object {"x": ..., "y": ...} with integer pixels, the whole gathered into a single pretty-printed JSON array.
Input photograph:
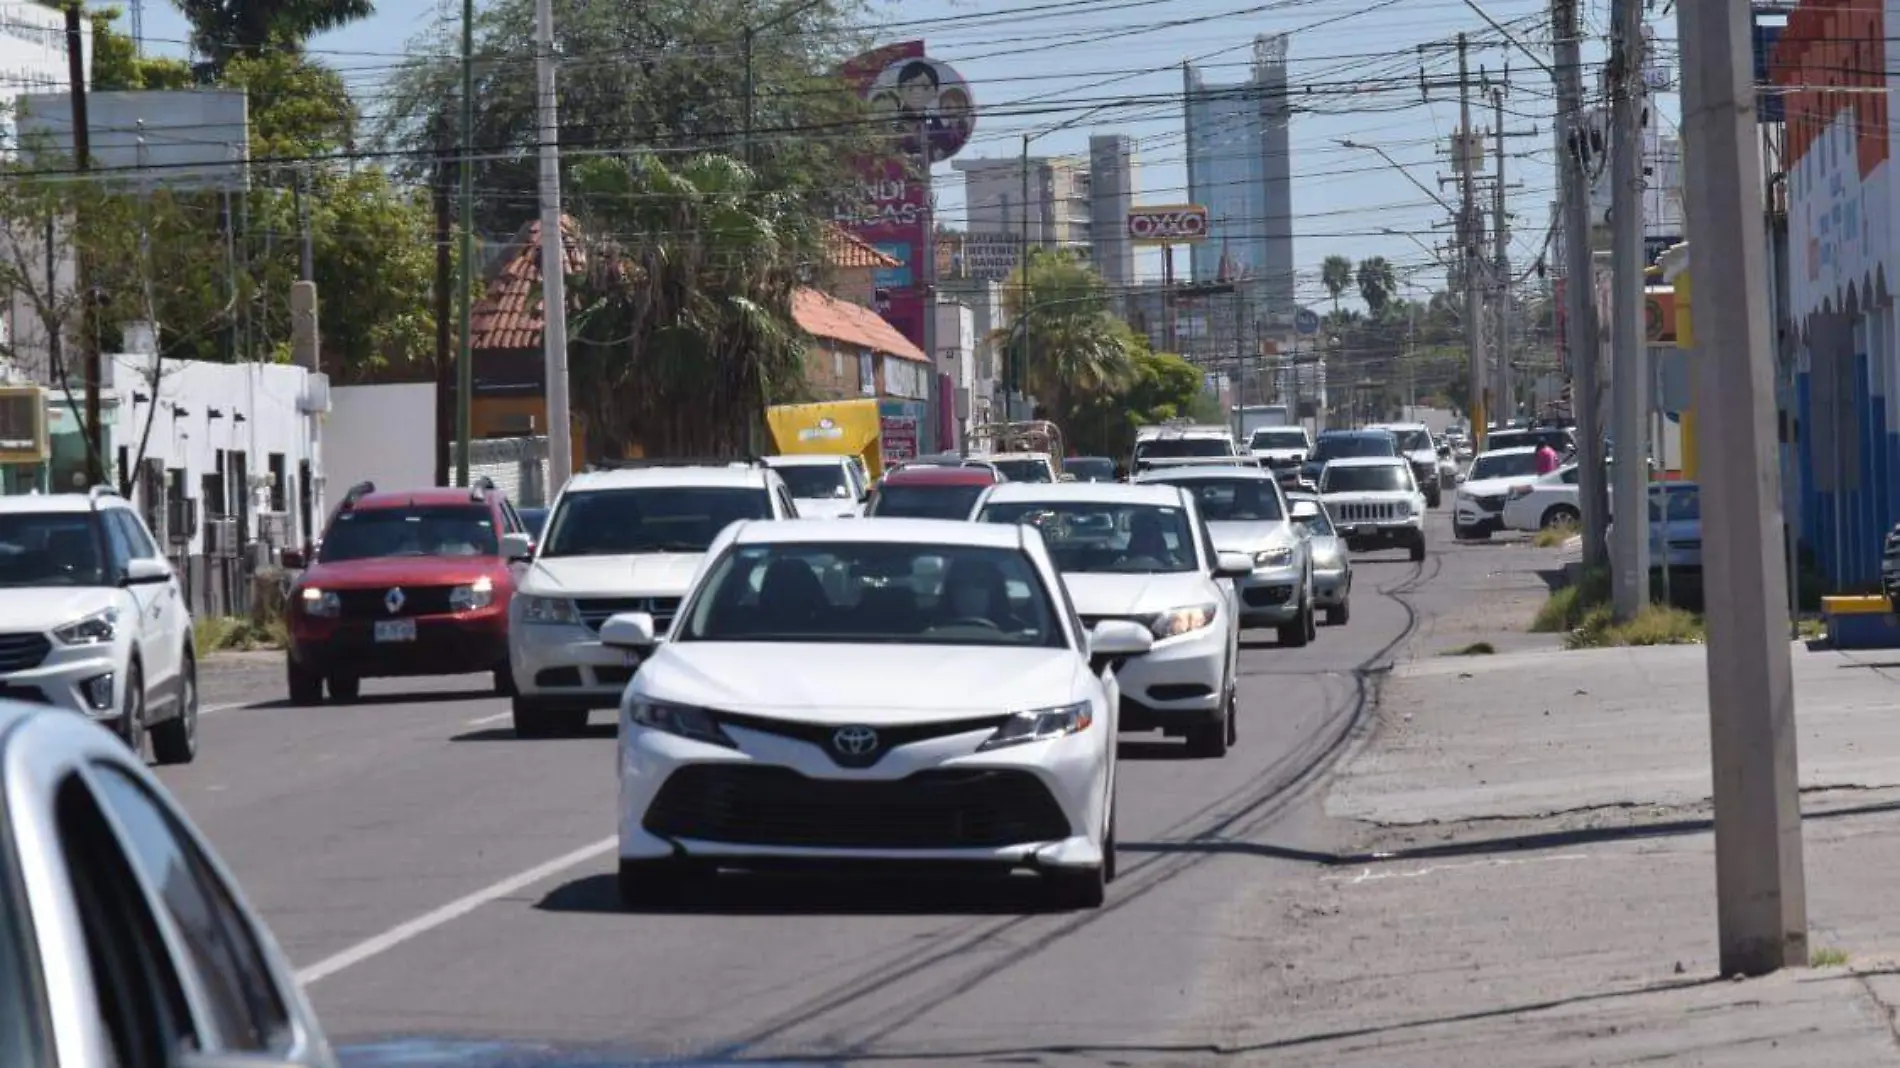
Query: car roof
[
  {"x": 992, "y": 457},
  {"x": 1400, "y": 426},
  {"x": 1368, "y": 461},
  {"x": 738, "y": 475},
  {"x": 872, "y": 530},
  {"x": 1510, "y": 450},
  {"x": 932, "y": 475},
  {"x": 1088, "y": 492},
  {"x": 430, "y": 497},
  {"x": 1362, "y": 432},
  {"x": 1199, "y": 472},
  {"x": 57, "y": 502},
  {"x": 808, "y": 460}
]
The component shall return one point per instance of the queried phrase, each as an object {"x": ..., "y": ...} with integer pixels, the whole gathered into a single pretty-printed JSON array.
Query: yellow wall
[{"x": 503, "y": 417}]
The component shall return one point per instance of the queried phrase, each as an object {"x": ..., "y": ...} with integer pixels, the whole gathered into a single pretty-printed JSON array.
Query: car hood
[
  {"x": 36, "y": 608},
  {"x": 1125, "y": 595},
  {"x": 1423, "y": 456},
  {"x": 402, "y": 570},
  {"x": 1490, "y": 487},
  {"x": 645, "y": 574},
  {"x": 1251, "y": 536},
  {"x": 873, "y": 684},
  {"x": 1281, "y": 454},
  {"x": 1367, "y": 497},
  {"x": 825, "y": 507}
]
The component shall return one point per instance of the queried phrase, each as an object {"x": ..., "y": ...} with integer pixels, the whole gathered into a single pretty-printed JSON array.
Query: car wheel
[
  {"x": 1293, "y": 634},
  {"x": 505, "y": 680},
  {"x": 1109, "y": 867},
  {"x": 535, "y": 720},
  {"x": 652, "y": 883},
  {"x": 175, "y": 741},
  {"x": 1561, "y": 515},
  {"x": 1312, "y": 618},
  {"x": 1076, "y": 888},
  {"x": 131, "y": 723},
  {"x": 1233, "y": 713},
  {"x": 345, "y": 687},
  {"x": 1418, "y": 551},
  {"x": 1339, "y": 614},
  {"x": 306, "y": 686}
]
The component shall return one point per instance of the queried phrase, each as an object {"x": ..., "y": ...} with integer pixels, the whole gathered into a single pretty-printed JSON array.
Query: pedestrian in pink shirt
[{"x": 1546, "y": 459}]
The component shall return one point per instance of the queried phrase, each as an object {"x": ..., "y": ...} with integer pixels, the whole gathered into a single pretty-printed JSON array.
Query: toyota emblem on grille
[
  {"x": 854, "y": 741},
  {"x": 393, "y": 600}
]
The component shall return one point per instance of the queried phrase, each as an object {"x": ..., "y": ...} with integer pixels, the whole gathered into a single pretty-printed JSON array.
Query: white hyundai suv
[
  {"x": 626, "y": 539},
  {"x": 93, "y": 620},
  {"x": 1141, "y": 554}
]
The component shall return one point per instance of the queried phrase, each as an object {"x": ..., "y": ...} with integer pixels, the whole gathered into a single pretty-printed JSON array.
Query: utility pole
[
  {"x": 444, "y": 287},
  {"x": 465, "y": 360},
  {"x": 553, "y": 261},
  {"x": 1629, "y": 376},
  {"x": 1580, "y": 308},
  {"x": 1020, "y": 372},
  {"x": 88, "y": 338},
  {"x": 1470, "y": 267},
  {"x": 1504, "y": 396},
  {"x": 927, "y": 274},
  {"x": 1761, "y": 894}
]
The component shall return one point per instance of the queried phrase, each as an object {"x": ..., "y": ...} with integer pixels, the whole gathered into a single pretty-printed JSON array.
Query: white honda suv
[
  {"x": 626, "y": 539},
  {"x": 93, "y": 620}
]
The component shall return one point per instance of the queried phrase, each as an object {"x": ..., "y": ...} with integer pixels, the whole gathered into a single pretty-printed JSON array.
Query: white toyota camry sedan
[{"x": 884, "y": 690}]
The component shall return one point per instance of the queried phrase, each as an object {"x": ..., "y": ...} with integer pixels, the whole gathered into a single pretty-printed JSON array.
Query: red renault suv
[{"x": 405, "y": 583}]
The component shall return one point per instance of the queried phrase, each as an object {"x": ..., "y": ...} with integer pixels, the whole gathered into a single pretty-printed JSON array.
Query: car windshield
[
  {"x": 50, "y": 549},
  {"x": 1278, "y": 437},
  {"x": 815, "y": 481},
  {"x": 1090, "y": 468},
  {"x": 1027, "y": 470},
  {"x": 925, "y": 502},
  {"x": 1105, "y": 537},
  {"x": 649, "y": 519},
  {"x": 1234, "y": 500},
  {"x": 1319, "y": 524},
  {"x": 1413, "y": 440},
  {"x": 1343, "y": 445},
  {"x": 416, "y": 530},
  {"x": 1166, "y": 448},
  {"x": 535, "y": 519},
  {"x": 873, "y": 593},
  {"x": 1509, "y": 465},
  {"x": 1385, "y": 478}
]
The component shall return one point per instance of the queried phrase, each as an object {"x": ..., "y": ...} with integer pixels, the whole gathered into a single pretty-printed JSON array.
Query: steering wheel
[{"x": 975, "y": 621}]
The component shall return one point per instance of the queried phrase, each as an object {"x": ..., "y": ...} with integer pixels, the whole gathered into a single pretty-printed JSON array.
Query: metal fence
[{"x": 517, "y": 466}]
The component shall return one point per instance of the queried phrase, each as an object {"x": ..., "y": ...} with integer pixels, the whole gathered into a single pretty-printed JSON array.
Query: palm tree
[
  {"x": 221, "y": 29},
  {"x": 1335, "y": 273},
  {"x": 1077, "y": 347},
  {"x": 683, "y": 330},
  {"x": 1377, "y": 284}
]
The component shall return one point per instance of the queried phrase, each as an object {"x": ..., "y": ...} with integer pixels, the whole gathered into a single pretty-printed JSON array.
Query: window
[
  {"x": 815, "y": 481},
  {"x": 240, "y": 991},
  {"x": 926, "y": 502},
  {"x": 1278, "y": 437},
  {"x": 1507, "y": 465},
  {"x": 1106, "y": 537},
  {"x": 874, "y": 593},
  {"x": 138, "y": 543},
  {"x": 1319, "y": 524},
  {"x": 451, "y": 530},
  {"x": 53, "y": 549},
  {"x": 1168, "y": 448},
  {"x": 654, "y": 519},
  {"x": 1235, "y": 500},
  {"x": 1026, "y": 470},
  {"x": 1413, "y": 440},
  {"x": 279, "y": 475},
  {"x": 1385, "y": 478},
  {"x": 1340, "y": 446}
]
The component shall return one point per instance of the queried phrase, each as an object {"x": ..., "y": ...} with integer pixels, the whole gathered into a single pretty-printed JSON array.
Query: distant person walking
[{"x": 1546, "y": 459}]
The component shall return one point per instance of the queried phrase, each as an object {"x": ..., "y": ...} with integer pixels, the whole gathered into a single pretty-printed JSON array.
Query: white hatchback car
[
  {"x": 887, "y": 690},
  {"x": 1141, "y": 553},
  {"x": 93, "y": 620}
]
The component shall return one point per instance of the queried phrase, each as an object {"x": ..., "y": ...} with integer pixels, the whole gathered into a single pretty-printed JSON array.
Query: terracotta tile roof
[
  {"x": 825, "y": 316},
  {"x": 508, "y": 316},
  {"x": 846, "y": 249}
]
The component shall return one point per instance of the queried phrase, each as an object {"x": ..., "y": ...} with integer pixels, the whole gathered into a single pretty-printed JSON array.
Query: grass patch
[
  {"x": 1554, "y": 537},
  {"x": 1827, "y": 957},
  {"x": 1474, "y": 649},
  {"x": 1566, "y": 608},
  {"x": 1809, "y": 629},
  {"x": 1654, "y": 625},
  {"x": 219, "y": 634}
]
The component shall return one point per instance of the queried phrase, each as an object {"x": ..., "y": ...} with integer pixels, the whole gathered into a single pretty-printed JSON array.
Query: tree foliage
[
  {"x": 1377, "y": 283},
  {"x": 1335, "y": 273},
  {"x": 117, "y": 65},
  {"x": 222, "y": 30}
]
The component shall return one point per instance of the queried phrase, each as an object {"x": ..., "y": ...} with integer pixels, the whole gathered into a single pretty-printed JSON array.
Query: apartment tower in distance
[
  {"x": 1239, "y": 164},
  {"x": 1112, "y": 189}
]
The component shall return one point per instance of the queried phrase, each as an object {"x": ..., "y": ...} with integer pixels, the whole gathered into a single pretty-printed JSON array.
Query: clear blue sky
[{"x": 1059, "y": 58}]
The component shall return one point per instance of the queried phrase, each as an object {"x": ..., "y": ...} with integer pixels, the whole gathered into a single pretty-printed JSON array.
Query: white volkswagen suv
[
  {"x": 93, "y": 620},
  {"x": 1141, "y": 554},
  {"x": 626, "y": 539}
]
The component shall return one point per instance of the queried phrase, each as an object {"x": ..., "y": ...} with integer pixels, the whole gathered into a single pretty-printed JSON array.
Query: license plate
[
  {"x": 395, "y": 630},
  {"x": 1366, "y": 530}
]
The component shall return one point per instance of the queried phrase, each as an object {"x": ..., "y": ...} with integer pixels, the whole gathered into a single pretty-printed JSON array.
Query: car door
[
  {"x": 162, "y": 608},
  {"x": 141, "y": 599}
]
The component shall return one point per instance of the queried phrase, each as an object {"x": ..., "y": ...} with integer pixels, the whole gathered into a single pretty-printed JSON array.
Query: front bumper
[
  {"x": 780, "y": 799},
  {"x": 450, "y": 644},
  {"x": 88, "y": 679},
  {"x": 1331, "y": 588},
  {"x": 565, "y": 664},
  {"x": 1479, "y": 515},
  {"x": 1269, "y": 597},
  {"x": 1177, "y": 683},
  {"x": 1361, "y": 537}
]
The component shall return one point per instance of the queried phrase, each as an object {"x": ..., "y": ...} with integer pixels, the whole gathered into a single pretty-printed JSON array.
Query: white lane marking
[
  {"x": 1367, "y": 875},
  {"x": 496, "y": 718},
  {"x": 225, "y": 708},
  {"x": 462, "y": 906}
]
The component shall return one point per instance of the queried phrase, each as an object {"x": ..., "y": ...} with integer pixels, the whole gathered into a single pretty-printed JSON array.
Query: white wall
[{"x": 380, "y": 434}]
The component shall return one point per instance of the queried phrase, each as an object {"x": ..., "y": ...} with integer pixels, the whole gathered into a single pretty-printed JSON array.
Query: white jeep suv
[
  {"x": 93, "y": 620},
  {"x": 1376, "y": 503},
  {"x": 626, "y": 539}
]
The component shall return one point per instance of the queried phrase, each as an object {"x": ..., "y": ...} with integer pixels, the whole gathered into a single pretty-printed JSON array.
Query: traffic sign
[{"x": 1306, "y": 321}]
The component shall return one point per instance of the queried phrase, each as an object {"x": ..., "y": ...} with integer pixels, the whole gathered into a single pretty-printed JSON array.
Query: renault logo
[
  {"x": 393, "y": 600},
  {"x": 854, "y": 741}
]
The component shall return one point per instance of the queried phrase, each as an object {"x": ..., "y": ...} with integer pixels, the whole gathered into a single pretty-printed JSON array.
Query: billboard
[
  {"x": 988, "y": 257},
  {"x": 186, "y": 139},
  {"x": 928, "y": 106},
  {"x": 1169, "y": 224}
]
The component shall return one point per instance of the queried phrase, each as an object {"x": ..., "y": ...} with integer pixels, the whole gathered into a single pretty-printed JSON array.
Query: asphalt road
[{"x": 430, "y": 875}]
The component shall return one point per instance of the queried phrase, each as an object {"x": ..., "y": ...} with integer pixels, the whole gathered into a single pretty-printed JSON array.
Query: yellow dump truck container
[{"x": 830, "y": 428}]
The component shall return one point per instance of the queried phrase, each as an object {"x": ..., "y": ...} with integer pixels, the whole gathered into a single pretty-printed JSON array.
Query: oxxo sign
[{"x": 1175, "y": 224}]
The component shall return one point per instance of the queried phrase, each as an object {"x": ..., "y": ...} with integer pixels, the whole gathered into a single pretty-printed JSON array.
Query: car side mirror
[
  {"x": 1232, "y": 565},
  {"x": 1305, "y": 510},
  {"x": 517, "y": 546},
  {"x": 1113, "y": 641},
  {"x": 145, "y": 570},
  {"x": 628, "y": 630},
  {"x": 291, "y": 559}
]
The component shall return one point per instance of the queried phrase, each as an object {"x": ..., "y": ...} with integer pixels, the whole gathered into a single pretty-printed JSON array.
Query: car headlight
[
  {"x": 322, "y": 603},
  {"x": 548, "y": 610},
  {"x": 1327, "y": 560},
  {"x": 1041, "y": 724},
  {"x": 1178, "y": 621},
  {"x": 95, "y": 629},
  {"x": 1276, "y": 557},
  {"x": 685, "y": 721},
  {"x": 477, "y": 594}
]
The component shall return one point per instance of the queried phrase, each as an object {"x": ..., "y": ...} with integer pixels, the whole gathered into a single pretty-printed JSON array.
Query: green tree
[
  {"x": 683, "y": 329},
  {"x": 1077, "y": 347},
  {"x": 222, "y": 30},
  {"x": 1335, "y": 273},
  {"x": 1161, "y": 386},
  {"x": 299, "y": 108},
  {"x": 117, "y": 65},
  {"x": 1377, "y": 284}
]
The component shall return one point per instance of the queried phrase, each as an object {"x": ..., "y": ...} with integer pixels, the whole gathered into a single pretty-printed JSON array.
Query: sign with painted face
[{"x": 1173, "y": 224}]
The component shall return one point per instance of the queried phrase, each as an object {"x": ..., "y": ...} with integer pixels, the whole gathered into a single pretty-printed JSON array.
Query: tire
[
  {"x": 1233, "y": 714},
  {"x": 175, "y": 741},
  {"x": 533, "y": 720},
  {"x": 1418, "y": 551},
  {"x": 345, "y": 687},
  {"x": 130, "y": 726},
  {"x": 1312, "y": 619},
  {"x": 652, "y": 883},
  {"x": 306, "y": 686},
  {"x": 505, "y": 680},
  {"x": 1558, "y": 515},
  {"x": 1076, "y": 888},
  {"x": 1338, "y": 615},
  {"x": 1109, "y": 866},
  {"x": 1294, "y": 635}
]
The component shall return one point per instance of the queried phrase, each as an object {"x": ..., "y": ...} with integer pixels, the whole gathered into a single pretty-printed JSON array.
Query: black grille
[
  {"x": 1265, "y": 596},
  {"x": 32, "y": 695},
  {"x": 18, "y": 652},
  {"x": 595, "y": 610},
  {"x": 1493, "y": 503},
  {"x": 745, "y": 804},
  {"x": 373, "y": 603}
]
